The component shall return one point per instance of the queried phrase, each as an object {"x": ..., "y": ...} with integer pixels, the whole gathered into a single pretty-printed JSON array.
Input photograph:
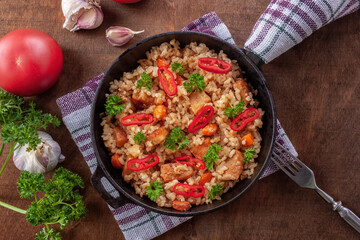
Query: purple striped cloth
[{"x": 286, "y": 23}]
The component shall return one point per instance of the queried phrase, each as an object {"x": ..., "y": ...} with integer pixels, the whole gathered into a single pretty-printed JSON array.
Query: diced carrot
[
  {"x": 115, "y": 161},
  {"x": 178, "y": 80},
  {"x": 210, "y": 129},
  {"x": 162, "y": 62},
  {"x": 206, "y": 177},
  {"x": 247, "y": 140},
  {"x": 181, "y": 205}
]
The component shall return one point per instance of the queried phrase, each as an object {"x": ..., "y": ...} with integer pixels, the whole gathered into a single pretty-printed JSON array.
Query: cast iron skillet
[{"x": 127, "y": 62}]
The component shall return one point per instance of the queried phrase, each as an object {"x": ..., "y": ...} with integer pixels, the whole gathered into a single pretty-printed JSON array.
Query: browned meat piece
[
  {"x": 126, "y": 170},
  {"x": 141, "y": 100},
  {"x": 158, "y": 136},
  {"x": 120, "y": 136},
  {"x": 181, "y": 205},
  {"x": 200, "y": 150},
  {"x": 172, "y": 171},
  {"x": 244, "y": 89},
  {"x": 198, "y": 100},
  {"x": 235, "y": 166}
]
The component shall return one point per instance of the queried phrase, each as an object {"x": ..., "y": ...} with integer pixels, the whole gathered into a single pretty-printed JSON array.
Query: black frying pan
[{"x": 127, "y": 62}]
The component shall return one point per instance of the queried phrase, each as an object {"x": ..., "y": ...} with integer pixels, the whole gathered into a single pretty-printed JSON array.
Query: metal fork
[{"x": 304, "y": 177}]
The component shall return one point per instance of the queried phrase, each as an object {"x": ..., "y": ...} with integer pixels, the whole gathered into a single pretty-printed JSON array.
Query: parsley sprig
[
  {"x": 232, "y": 111},
  {"x": 212, "y": 155},
  {"x": 177, "y": 67},
  {"x": 215, "y": 190},
  {"x": 113, "y": 106},
  {"x": 195, "y": 80},
  {"x": 154, "y": 190},
  {"x": 139, "y": 138},
  {"x": 144, "y": 81},
  {"x": 249, "y": 154},
  {"x": 176, "y": 138}
]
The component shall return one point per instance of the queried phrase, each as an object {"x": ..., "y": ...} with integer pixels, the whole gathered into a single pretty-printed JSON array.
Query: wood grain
[{"x": 316, "y": 89}]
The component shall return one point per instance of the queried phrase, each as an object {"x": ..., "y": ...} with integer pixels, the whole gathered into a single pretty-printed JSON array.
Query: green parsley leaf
[
  {"x": 177, "y": 66},
  {"x": 249, "y": 153},
  {"x": 45, "y": 234},
  {"x": 144, "y": 81},
  {"x": 212, "y": 155},
  {"x": 234, "y": 111},
  {"x": 215, "y": 190},
  {"x": 139, "y": 138},
  {"x": 113, "y": 106},
  {"x": 154, "y": 190},
  {"x": 176, "y": 138},
  {"x": 195, "y": 80}
]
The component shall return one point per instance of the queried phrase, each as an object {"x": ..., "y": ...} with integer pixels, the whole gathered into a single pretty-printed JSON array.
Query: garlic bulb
[
  {"x": 118, "y": 36},
  {"x": 82, "y": 14},
  {"x": 45, "y": 158}
]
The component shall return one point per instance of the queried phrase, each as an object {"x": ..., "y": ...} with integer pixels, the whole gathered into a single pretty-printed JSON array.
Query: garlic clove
[{"x": 118, "y": 36}]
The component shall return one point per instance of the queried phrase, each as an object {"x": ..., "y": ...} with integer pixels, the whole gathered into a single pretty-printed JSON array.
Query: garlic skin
[
  {"x": 45, "y": 158},
  {"x": 82, "y": 14},
  {"x": 118, "y": 36}
]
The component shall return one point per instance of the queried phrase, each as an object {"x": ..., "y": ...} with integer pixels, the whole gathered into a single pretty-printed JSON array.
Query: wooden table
[{"x": 316, "y": 89}]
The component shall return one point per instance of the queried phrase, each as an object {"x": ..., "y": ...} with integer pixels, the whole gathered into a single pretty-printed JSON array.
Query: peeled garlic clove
[
  {"x": 82, "y": 14},
  {"x": 118, "y": 36}
]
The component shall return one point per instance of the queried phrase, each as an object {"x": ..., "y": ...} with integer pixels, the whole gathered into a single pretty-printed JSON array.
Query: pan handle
[
  {"x": 286, "y": 23},
  {"x": 99, "y": 187}
]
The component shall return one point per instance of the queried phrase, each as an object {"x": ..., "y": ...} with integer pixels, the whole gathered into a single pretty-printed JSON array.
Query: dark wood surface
[{"x": 316, "y": 86}]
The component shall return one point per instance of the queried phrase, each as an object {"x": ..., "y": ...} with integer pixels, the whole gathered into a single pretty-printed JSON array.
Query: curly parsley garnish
[
  {"x": 177, "y": 66},
  {"x": 195, "y": 80},
  {"x": 113, "y": 106},
  {"x": 144, "y": 81},
  {"x": 212, "y": 156},
  {"x": 249, "y": 154},
  {"x": 215, "y": 190},
  {"x": 139, "y": 138},
  {"x": 154, "y": 190},
  {"x": 176, "y": 138},
  {"x": 234, "y": 111}
]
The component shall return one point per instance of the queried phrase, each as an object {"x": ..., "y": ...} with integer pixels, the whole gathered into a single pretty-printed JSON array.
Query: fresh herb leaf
[
  {"x": 113, "y": 106},
  {"x": 154, "y": 190},
  {"x": 195, "y": 80},
  {"x": 177, "y": 66},
  {"x": 46, "y": 234},
  {"x": 215, "y": 190},
  {"x": 139, "y": 138},
  {"x": 232, "y": 112},
  {"x": 249, "y": 154},
  {"x": 144, "y": 81},
  {"x": 176, "y": 138},
  {"x": 212, "y": 155}
]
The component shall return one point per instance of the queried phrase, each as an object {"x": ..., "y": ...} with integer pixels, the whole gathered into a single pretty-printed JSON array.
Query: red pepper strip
[
  {"x": 191, "y": 161},
  {"x": 137, "y": 119},
  {"x": 245, "y": 117},
  {"x": 214, "y": 65},
  {"x": 202, "y": 117},
  {"x": 136, "y": 164},
  {"x": 189, "y": 190},
  {"x": 169, "y": 85}
]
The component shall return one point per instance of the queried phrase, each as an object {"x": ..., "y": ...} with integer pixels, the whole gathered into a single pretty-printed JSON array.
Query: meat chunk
[
  {"x": 120, "y": 136},
  {"x": 158, "y": 136},
  {"x": 178, "y": 171},
  {"x": 126, "y": 170},
  {"x": 243, "y": 88},
  {"x": 181, "y": 205},
  {"x": 235, "y": 166},
  {"x": 198, "y": 100},
  {"x": 199, "y": 151},
  {"x": 141, "y": 100}
]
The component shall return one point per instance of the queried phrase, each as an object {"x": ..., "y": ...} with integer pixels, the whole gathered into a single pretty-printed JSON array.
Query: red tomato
[
  {"x": 31, "y": 62},
  {"x": 127, "y": 1}
]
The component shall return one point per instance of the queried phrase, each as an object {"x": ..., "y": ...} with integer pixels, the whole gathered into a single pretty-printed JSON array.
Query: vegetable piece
[
  {"x": 113, "y": 106},
  {"x": 176, "y": 138},
  {"x": 159, "y": 111},
  {"x": 189, "y": 190},
  {"x": 235, "y": 166},
  {"x": 232, "y": 112},
  {"x": 136, "y": 164},
  {"x": 249, "y": 154},
  {"x": 120, "y": 136},
  {"x": 195, "y": 80},
  {"x": 172, "y": 171},
  {"x": 60, "y": 204},
  {"x": 190, "y": 161},
  {"x": 206, "y": 177},
  {"x": 214, "y": 65},
  {"x": 137, "y": 119},
  {"x": 215, "y": 190},
  {"x": 247, "y": 140},
  {"x": 31, "y": 62},
  {"x": 181, "y": 205},
  {"x": 202, "y": 117},
  {"x": 177, "y": 67},
  {"x": 118, "y": 36},
  {"x": 244, "y": 118},
  {"x": 178, "y": 80},
  {"x": 198, "y": 100},
  {"x": 168, "y": 83},
  {"x": 212, "y": 155},
  {"x": 158, "y": 136},
  {"x": 115, "y": 161},
  {"x": 199, "y": 151},
  {"x": 210, "y": 129},
  {"x": 144, "y": 81},
  {"x": 139, "y": 138},
  {"x": 161, "y": 62},
  {"x": 154, "y": 190}
]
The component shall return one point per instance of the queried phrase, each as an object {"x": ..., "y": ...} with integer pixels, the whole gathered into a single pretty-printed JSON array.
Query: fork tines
[{"x": 285, "y": 160}]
